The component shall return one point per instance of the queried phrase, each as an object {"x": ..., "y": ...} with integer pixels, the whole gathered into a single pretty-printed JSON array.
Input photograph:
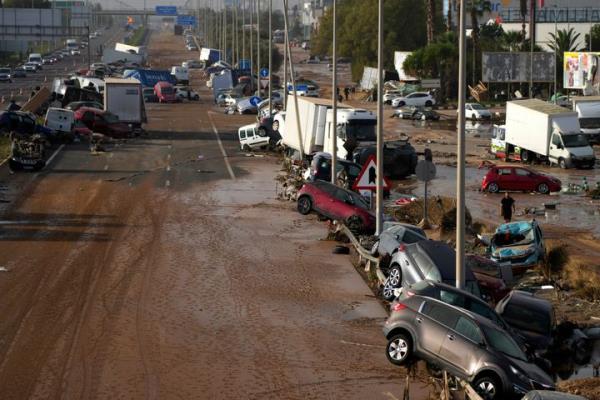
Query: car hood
[
  {"x": 533, "y": 372},
  {"x": 586, "y": 151},
  {"x": 536, "y": 340},
  {"x": 512, "y": 251}
]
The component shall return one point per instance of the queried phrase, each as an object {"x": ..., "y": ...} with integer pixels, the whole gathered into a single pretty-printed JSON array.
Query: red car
[
  {"x": 494, "y": 280},
  {"x": 336, "y": 203},
  {"x": 165, "y": 92},
  {"x": 518, "y": 179},
  {"x": 102, "y": 122}
]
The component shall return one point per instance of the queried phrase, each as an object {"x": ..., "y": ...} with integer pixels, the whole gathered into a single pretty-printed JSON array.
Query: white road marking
[
  {"x": 168, "y": 168},
  {"x": 54, "y": 154},
  {"x": 360, "y": 344},
  {"x": 225, "y": 157},
  {"x": 167, "y": 183},
  {"x": 169, "y": 156}
]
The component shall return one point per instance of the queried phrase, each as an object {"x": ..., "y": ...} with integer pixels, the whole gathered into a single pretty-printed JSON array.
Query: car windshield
[
  {"x": 477, "y": 106},
  {"x": 110, "y": 118},
  {"x": 362, "y": 130},
  {"x": 503, "y": 343},
  {"x": 4, "y": 70},
  {"x": 527, "y": 319},
  {"x": 577, "y": 140},
  {"x": 511, "y": 238}
]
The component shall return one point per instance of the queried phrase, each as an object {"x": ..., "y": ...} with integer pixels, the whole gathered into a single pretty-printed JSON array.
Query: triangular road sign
[{"x": 367, "y": 179}]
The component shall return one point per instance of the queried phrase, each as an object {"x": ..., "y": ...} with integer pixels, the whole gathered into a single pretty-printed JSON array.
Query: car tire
[
  {"x": 196, "y": 97},
  {"x": 246, "y": 148},
  {"x": 562, "y": 163},
  {"x": 428, "y": 103},
  {"x": 543, "y": 188},
  {"x": 388, "y": 292},
  {"x": 304, "y": 205},
  {"x": 525, "y": 156},
  {"x": 492, "y": 187},
  {"x": 401, "y": 104},
  {"x": 488, "y": 387},
  {"x": 399, "y": 349},
  {"x": 395, "y": 276}
]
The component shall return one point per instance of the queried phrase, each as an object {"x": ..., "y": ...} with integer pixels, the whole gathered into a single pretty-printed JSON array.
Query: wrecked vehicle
[
  {"x": 393, "y": 235},
  {"x": 336, "y": 203},
  {"x": 399, "y": 157},
  {"x": 103, "y": 122},
  {"x": 521, "y": 244},
  {"x": 551, "y": 395},
  {"x": 427, "y": 259},
  {"x": 494, "y": 279},
  {"x": 465, "y": 344},
  {"x": 26, "y": 152},
  {"x": 531, "y": 316},
  {"x": 320, "y": 169},
  {"x": 511, "y": 178}
]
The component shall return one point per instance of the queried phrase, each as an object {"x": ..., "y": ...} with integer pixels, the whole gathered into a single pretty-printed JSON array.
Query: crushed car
[{"x": 520, "y": 244}]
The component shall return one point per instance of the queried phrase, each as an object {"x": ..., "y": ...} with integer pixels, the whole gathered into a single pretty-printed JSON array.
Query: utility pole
[
  {"x": 531, "y": 44},
  {"x": 270, "y": 50},
  {"x": 225, "y": 32},
  {"x": 555, "y": 49},
  {"x": 258, "y": 45},
  {"x": 287, "y": 44},
  {"x": 233, "y": 38},
  {"x": 244, "y": 29},
  {"x": 379, "y": 180},
  {"x": 335, "y": 98},
  {"x": 251, "y": 45},
  {"x": 89, "y": 49},
  {"x": 460, "y": 154},
  {"x": 285, "y": 57}
]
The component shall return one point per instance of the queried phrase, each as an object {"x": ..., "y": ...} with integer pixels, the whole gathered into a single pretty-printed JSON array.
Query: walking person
[
  {"x": 507, "y": 207},
  {"x": 346, "y": 92}
]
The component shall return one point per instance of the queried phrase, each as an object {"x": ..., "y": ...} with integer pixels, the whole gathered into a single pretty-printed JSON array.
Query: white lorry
[
  {"x": 72, "y": 44},
  {"x": 588, "y": 111},
  {"x": 537, "y": 130},
  {"x": 354, "y": 126},
  {"x": 111, "y": 56},
  {"x": 124, "y": 98}
]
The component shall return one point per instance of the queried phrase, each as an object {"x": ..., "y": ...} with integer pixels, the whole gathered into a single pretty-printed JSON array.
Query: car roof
[
  {"x": 481, "y": 320},
  {"x": 92, "y": 109},
  {"x": 443, "y": 256},
  {"x": 454, "y": 289},
  {"x": 528, "y": 300},
  {"x": 516, "y": 227}
]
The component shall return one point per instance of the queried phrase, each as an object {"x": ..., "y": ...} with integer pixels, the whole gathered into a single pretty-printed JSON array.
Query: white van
[
  {"x": 59, "y": 119},
  {"x": 250, "y": 137},
  {"x": 36, "y": 58},
  {"x": 181, "y": 74}
]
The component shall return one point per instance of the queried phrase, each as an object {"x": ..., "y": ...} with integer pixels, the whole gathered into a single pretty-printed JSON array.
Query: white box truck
[
  {"x": 354, "y": 126},
  {"x": 124, "y": 98},
  {"x": 537, "y": 130},
  {"x": 111, "y": 56},
  {"x": 588, "y": 111}
]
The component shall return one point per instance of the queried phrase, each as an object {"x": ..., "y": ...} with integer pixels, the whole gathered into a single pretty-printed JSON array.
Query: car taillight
[
  {"x": 402, "y": 247},
  {"x": 398, "y": 307}
]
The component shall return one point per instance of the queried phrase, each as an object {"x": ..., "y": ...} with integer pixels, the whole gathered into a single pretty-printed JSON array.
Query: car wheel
[
  {"x": 395, "y": 276},
  {"x": 428, "y": 103},
  {"x": 488, "y": 387},
  {"x": 399, "y": 349},
  {"x": 525, "y": 156},
  {"x": 562, "y": 163},
  {"x": 304, "y": 205},
  {"x": 196, "y": 97},
  {"x": 388, "y": 292},
  {"x": 275, "y": 126},
  {"x": 543, "y": 188},
  {"x": 401, "y": 104},
  {"x": 493, "y": 187},
  {"x": 246, "y": 148}
]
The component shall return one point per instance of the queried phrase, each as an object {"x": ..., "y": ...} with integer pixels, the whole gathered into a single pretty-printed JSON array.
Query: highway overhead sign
[{"x": 166, "y": 10}]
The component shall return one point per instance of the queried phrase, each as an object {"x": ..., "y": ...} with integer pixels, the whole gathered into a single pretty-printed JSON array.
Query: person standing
[{"x": 507, "y": 207}]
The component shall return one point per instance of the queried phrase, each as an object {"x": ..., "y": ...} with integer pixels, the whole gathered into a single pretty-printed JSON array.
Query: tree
[
  {"x": 512, "y": 40},
  {"x": 430, "y": 19},
  {"x": 476, "y": 9},
  {"x": 563, "y": 41},
  {"x": 595, "y": 32}
]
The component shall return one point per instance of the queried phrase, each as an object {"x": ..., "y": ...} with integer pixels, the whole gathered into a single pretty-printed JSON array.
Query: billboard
[
  {"x": 581, "y": 70},
  {"x": 516, "y": 67}
]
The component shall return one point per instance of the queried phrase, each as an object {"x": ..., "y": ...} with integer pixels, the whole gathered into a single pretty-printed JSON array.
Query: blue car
[{"x": 520, "y": 244}]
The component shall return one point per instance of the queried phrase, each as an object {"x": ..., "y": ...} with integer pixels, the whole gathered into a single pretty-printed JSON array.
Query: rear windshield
[
  {"x": 527, "y": 319},
  {"x": 589, "y": 123}
]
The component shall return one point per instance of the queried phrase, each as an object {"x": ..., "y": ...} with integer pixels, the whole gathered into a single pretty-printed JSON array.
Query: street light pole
[
  {"x": 333, "y": 131},
  {"x": 270, "y": 50},
  {"x": 379, "y": 180},
  {"x": 555, "y": 49},
  {"x": 460, "y": 154},
  {"x": 258, "y": 46}
]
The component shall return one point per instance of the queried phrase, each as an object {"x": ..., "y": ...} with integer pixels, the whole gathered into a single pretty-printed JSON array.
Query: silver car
[
  {"x": 463, "y": 343},
  {"x": 394, "y": 234}
]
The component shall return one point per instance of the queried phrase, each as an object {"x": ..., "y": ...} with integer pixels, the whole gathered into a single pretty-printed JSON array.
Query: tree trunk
[
  {"x": 475, "y": 37},
  {"x": 430, "y": 19},
  {"x": 449, "y": 16}
]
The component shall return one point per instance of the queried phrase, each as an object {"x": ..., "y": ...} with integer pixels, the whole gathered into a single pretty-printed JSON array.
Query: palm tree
[
  {"x": 523, "y": 10},
  {"x": 476, "y": 9},
  {"x": 430, "y": 19},
  {"x": 563, "y": 41},
  {"x": 511, "y": 40}
]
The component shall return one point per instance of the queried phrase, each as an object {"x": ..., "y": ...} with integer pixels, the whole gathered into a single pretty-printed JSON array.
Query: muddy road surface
[{"x": 166, "y": 269}]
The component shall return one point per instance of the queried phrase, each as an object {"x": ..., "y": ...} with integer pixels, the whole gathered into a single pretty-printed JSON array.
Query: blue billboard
[
  {"x": 166, "y": 10},
  {"x": 187, "y": 20}
]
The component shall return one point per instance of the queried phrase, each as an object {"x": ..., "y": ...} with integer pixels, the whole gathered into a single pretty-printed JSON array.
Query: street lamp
[
  {"x": 460, "y": 154},
  {"x": 555, "y": 49},
  {"x": 379, "y": 180},
  {"x": 335, "y": 99}
]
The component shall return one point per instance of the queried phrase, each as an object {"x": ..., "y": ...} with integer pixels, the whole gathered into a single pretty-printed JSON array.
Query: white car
[
  {"x": 231, "y": 99},
  {"x": 391, "y": 95},
  {"x": 30, "y": 67},
  {"x": 75, "y": 52},
  {"x": 563, "y": 101},
  {"x": 414, "y": 99},
  {"x": 476, "y": 111},
  {"x": 182, "y": 93},
  {"x": 252, "y": 138}
]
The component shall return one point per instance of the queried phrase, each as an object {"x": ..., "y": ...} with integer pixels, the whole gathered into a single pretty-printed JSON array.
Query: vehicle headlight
[{"x": 518, "y": 374}]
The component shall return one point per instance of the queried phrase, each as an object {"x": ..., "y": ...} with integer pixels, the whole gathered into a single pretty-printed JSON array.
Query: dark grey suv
[{"x": 465, "y": 344}]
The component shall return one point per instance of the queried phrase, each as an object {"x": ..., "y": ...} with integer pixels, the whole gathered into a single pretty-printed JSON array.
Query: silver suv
[{"x": 465, "y": 344}]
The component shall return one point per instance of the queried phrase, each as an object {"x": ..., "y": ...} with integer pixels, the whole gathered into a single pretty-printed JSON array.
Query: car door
[
  {"x": 461, "y": 347},
  {"x": 343, "y": 205},
  {"x": 324, "y": 202},
  {"x": 505, "y": 179},
  {"x": 433, "y": 326},
  {"x": 524, "y": 180}
]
